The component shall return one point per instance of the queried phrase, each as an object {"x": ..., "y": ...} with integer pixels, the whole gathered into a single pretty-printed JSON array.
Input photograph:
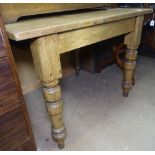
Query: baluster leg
[
  {"x": 132, "y": 41},
  {"x": 47, "y": 64}
]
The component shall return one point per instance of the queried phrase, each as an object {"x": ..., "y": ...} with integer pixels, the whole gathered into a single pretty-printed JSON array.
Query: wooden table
[{"x": 53, "y": 35}]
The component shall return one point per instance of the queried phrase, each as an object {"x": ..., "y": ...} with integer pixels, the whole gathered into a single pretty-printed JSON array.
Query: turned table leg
[
  {"x": 76, "y": 55},
  {"x": 129, "y": 67},
  {"x": 132, "y": 41},
  {"x": 47, "y": 64}
]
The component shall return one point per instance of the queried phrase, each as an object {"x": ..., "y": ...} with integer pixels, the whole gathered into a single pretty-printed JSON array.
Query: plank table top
[{"x": 36, "y": 27}]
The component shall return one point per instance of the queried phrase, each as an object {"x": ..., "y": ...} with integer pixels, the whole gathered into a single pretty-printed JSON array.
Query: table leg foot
[
  {"x": 77, "y": 66},
  {"x": 133, "y": 81},
  {"x": 125, "y": 93},
  {"x": 61, "y": 144}
]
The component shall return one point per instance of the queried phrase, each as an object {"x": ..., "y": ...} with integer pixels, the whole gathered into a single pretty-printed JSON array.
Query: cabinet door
[
  {"x": 15, "y": 128},
  {"x": 8, "y": 94}
]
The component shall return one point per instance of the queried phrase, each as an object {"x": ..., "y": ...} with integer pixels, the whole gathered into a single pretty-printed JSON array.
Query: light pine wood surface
[
  {"x": 74, "y": 39},
  {"x": 47, "y": 64},
  {"x": 32, "y": 28},
  {"x": 11, "y": 12},
  {"x": 132, "y": 40}
]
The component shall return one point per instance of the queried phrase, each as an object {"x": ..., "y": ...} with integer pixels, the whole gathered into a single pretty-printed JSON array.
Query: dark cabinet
[{"x": 15, "y": 128}]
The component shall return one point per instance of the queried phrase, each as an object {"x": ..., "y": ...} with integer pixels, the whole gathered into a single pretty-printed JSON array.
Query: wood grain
[
  {"x": 32, "y": 28},
  {"x": 11, "y": 12},
  {"x": 13, "y": 130},
  {"x": 132, "y": 41},
  {"x": 15, "y": 127},
  {"x": 46, "y": 59},
  {"x": 8, "y": 99},
  {"x": 78, "y": 38},
  {"x": 48, "y": 66}
]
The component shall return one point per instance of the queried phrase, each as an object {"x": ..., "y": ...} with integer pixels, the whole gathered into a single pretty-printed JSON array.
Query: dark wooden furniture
[
  {"x": 15, "y": 129},
  {"x": 96, "y": 57}
]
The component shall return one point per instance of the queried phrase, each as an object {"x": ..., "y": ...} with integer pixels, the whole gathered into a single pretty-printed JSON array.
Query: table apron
[{"x": 74, "y": 39}]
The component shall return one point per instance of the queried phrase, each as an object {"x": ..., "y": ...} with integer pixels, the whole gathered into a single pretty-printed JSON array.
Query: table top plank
[
  {"x": 12, "y": 11},
  {"x": 36, "y": 27}
]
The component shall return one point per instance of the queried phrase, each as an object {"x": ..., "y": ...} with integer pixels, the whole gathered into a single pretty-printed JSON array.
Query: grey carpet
[{"x": 96, "y": 115}]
